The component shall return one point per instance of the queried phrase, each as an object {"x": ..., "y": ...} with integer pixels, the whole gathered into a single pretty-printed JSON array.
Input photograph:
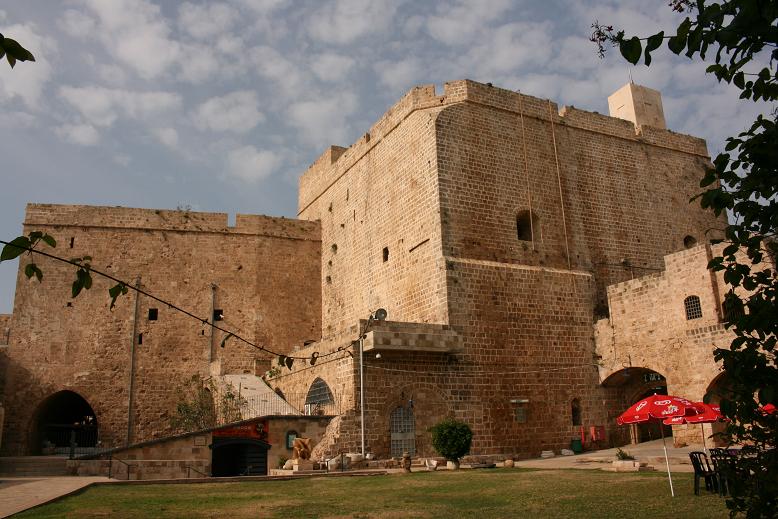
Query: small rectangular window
[
  {"x": 153, "y": 314},
  {"x": 140, "y": 338},
  {"x": 386, "y": 254},
  {"x": 218, "y": 315}
]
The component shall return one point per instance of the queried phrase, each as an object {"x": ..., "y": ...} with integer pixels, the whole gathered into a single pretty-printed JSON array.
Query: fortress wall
[
  {"x": 387, "y": 200},
  {"x": 267, "y": 286}
]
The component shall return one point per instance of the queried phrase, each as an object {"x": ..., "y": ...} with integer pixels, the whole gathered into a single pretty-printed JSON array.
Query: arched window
[
  {"x": 693, "y": 308},
  {"x": 689, "y": 241},
  {"x": 527, "y": 226},
  {"x": 319, "y": 396},
  {"x": 575, "y": 410}
]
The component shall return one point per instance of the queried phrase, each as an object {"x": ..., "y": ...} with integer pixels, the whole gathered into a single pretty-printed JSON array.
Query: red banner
[{"x": 255, "y": 431}]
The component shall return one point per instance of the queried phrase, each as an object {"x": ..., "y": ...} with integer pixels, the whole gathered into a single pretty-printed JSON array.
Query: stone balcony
[{"x": 412, "y": 337}]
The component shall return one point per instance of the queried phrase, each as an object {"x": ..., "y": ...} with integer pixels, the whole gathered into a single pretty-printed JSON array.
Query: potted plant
[{"x": 451, "y": 439}]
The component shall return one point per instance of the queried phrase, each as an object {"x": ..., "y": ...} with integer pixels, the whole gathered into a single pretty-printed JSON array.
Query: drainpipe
[
  {"x": 213, "y": 330},
  {"x": 131, "y": 388}
]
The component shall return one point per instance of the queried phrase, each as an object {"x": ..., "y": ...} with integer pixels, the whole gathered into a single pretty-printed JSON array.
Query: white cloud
[
  {"x": 167, "y": 136},
  {"x": 262, "y": 6},
  {"x": 81, "y": 134},
  {"x": 112, "y": 74},
  {"x": 237, "y": 112},
  {"x": 28, "y": 79},
  {"x": 102, "y": 106},
  {"x": 325, "y": 120},
  {"x": 137, "y": 34},
  {"x": 461, "y": 23},
  {"x": 271, "y": 64},
  {"x": 206, "y": 20},
  {"x": 507, "y": 48},
  {"x": 399, "y": 75},
  {"x": 331, "y": 67},
  {"x": 252, "y": 165},
  {"x": 77, "y": 24},
  {"x": 343, "y": 21}
]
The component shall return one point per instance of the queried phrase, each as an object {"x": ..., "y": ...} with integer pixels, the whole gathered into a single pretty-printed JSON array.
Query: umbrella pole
[
  {"x": 704, "y": 447},
  {"x": 667, "y": 460}
]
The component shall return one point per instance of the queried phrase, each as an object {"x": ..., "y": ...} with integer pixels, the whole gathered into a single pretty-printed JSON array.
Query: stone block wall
[
  {"x": 266, "y": 273},
  {"x": 648, "y": 329}
]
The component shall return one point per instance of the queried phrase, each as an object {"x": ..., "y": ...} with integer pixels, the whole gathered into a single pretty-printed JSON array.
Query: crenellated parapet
[{"x": 54, "y": 215}]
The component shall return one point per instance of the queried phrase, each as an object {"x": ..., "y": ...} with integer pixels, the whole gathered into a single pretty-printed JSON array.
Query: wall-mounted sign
[{"x": 255, "y": 431}]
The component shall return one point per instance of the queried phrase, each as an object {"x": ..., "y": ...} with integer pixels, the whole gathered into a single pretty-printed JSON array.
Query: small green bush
[
  {"x": 451, "y": 438},
  {"x": 624, "y": 455}
]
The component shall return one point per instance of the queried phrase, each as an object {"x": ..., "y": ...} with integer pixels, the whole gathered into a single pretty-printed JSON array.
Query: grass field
[{"x": 465, "y": 493}]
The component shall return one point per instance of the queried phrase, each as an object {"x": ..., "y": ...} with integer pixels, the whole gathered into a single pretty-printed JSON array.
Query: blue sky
[{"x": 220, "y": 106}]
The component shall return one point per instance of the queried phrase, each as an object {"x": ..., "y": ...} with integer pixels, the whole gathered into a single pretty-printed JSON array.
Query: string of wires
[{"x": 173, "y": 306}]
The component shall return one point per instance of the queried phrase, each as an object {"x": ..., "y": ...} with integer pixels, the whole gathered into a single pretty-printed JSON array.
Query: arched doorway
[
  {"x": 633, "y": 384},
  {"x": 403, "y": 431},
  {"x": 238, "y": 457},
  {"x": 64, "y": 424},
  {"x": 718, "y": 388}
]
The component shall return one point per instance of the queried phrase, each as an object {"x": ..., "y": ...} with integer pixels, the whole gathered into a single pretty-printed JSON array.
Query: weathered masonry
[{"x": 489, "y": 224}]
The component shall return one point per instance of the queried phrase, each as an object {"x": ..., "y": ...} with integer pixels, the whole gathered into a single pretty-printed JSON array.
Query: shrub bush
[{"x": 451, "y": 438}]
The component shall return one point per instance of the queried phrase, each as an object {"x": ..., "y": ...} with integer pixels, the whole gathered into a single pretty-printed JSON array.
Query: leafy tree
[
  {"x": 203, "y": 405},
  {"x": 739, "y": 40},
  {"x": 13, "y": 51},
  {"x": 451, "y": 439}
]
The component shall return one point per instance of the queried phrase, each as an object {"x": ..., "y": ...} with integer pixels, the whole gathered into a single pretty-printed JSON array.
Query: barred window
[{"x": 693, "y": 308}]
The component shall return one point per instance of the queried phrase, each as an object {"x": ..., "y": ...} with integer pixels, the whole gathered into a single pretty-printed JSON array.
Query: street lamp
[{"x": 378, "y": 315}]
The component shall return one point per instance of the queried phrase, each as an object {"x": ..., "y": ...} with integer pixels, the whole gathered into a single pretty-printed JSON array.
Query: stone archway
[
  {"x": 635, "y": 383},
  {"x": 410, "y": 409},
  {"x": 718, "y": 388},
  {"x": 64, "y": 423}
]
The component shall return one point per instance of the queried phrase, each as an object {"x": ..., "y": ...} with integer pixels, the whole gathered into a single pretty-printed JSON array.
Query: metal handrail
[
  {"x": 110, "y": 466},
  {"x": 189, "y": 470}
]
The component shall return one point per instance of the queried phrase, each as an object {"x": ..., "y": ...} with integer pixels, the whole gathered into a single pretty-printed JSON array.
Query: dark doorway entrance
[
  {"x": 64, "y": 424},
  {"x": 238, "y": 457}
]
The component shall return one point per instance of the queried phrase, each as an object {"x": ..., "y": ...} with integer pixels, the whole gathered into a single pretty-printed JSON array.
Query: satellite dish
[{"x": 379, "y": 314}]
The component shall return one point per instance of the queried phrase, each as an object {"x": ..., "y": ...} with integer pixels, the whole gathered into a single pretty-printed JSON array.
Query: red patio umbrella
[
  {"x": 656, "y": 408},
  {"x": 704, "y": 413}
]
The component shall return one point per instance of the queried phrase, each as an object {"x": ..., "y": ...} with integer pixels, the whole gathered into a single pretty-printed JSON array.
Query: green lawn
[{"x": 466, "y": 493}]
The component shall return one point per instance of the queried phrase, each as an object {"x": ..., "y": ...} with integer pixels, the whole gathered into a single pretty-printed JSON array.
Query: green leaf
[
  {"x": 631, "y": 49},
  {"x": 15, "y": 248},
  {"x": 32, "y": 270},
  {"x": 115, "y": 291},
  {"x": 652, "y": 44},
  {"x": 78, "y": 285},
  {"x": 49, "y": 240}
]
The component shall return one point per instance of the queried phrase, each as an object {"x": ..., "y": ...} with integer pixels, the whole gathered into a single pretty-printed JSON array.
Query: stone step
[{"x": 32, "y": 466}]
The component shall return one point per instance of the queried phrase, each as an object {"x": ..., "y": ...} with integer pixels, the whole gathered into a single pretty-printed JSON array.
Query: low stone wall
[{"x": 141, "y": 469}]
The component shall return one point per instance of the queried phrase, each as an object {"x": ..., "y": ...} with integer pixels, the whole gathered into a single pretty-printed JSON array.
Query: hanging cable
[{"x": 172, "y": 306}]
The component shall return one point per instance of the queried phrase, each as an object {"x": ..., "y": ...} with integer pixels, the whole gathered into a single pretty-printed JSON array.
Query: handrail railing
[
  {"x": 110, "y": 466},
  {"x": 189, "y": 470}
]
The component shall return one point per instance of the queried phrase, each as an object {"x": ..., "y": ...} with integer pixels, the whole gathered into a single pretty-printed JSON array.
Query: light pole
[{"x": 378, "y": 315}]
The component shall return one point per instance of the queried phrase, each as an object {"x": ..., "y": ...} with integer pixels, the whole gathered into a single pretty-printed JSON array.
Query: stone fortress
[{"x": 542, "y": 268}]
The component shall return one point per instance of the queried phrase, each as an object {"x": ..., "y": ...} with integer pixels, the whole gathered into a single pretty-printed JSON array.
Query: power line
[{"x": 170, "y": 305}]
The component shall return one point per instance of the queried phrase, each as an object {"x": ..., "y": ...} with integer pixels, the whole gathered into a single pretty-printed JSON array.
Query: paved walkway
[
  {"x": 650, "y": 452},
  {"x": 18, "y": 494}
]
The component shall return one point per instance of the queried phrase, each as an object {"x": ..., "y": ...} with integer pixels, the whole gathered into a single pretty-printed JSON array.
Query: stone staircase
[{"x": 33, "y": 466}]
